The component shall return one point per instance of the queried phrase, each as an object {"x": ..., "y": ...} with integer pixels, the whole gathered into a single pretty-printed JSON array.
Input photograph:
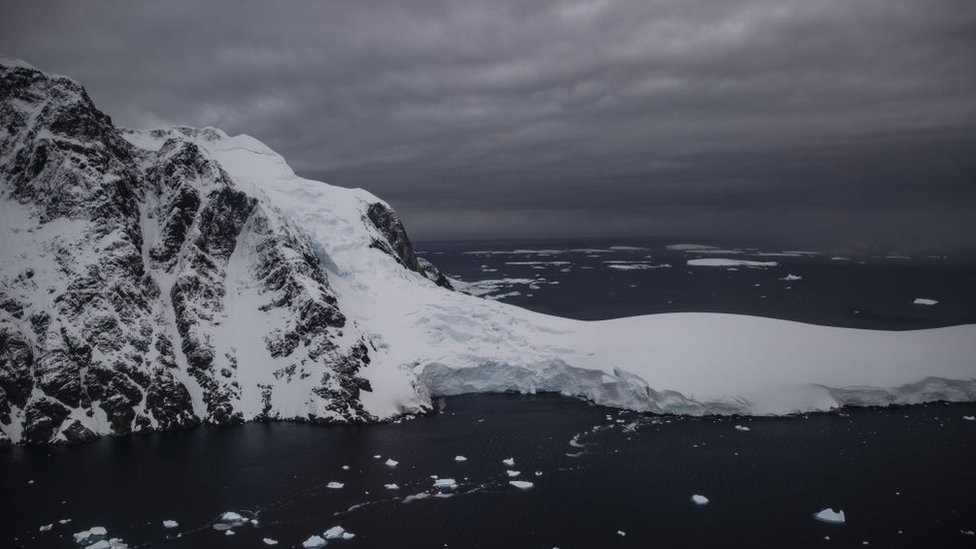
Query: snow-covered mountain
[{"x": 159, "y": 279}]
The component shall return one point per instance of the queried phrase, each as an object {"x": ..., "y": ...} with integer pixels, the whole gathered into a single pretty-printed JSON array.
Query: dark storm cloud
[{"x": 829, "y": 122}]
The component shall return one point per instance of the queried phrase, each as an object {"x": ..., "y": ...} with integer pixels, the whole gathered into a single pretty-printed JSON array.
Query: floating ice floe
[
  {"x": 741, "y": 428},
  {"x": 269, "y": 541},
  {"x": 334, "y": 485},
  {"x": 391, "y": 486},
  {"x": 513, "y": 473},
  {"x": 460, "y": 458},
  {"x": 64, "y": 521},
  {"x": 509, "y": 461},
  {"x": 924, "y": 301},
  {"x": 621, "y": 533},
  {"x": 726, "y": 262},
  {"x": 445, "y": 483},
  {"x": 170, "y": 524},
  {"x": 969, "y": 418},
  {"x": 345, "y": 467},
  {"x": 231, "y": 516},
  {"x": 521, "y": 484},
  {"x": 314, "y": 542},
  {"x": 829, "y": 515},
  {"x": 377, "y": 456},
  {"x": 792, "y": 277},
  {"x": 699, "y": 499},
  {"x": 338, "y": 532},
  {"x": 229, "y": 533},
  {"x": 113, "y": 543},
  {"x": 46, "y": 527},
  {"x": 391, "y": 463},
  {"x": 90, "y": 535}
]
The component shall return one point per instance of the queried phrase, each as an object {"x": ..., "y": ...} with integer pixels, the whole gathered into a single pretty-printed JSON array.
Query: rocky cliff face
[{"x": 141, "y": 288}]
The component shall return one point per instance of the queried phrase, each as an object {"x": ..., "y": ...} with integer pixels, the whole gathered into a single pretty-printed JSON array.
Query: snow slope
[{"x": 430, "y": 341}]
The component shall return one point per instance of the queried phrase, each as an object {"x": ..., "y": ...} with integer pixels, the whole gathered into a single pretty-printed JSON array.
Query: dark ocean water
[{"x": 905, "y": 477}]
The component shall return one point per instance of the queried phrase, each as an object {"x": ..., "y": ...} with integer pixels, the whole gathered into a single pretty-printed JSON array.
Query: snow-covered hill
[{"x": 158, "y": 279}]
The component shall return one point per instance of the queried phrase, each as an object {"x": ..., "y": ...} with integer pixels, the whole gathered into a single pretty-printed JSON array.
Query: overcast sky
[{"x": 840, "y": 123}]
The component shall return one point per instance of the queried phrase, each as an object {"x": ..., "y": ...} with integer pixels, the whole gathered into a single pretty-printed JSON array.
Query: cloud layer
[{"x": 821, "y": 122}]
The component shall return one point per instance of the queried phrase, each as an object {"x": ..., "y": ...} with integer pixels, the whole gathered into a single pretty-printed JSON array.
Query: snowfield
[{"x": 428, "y": 341}]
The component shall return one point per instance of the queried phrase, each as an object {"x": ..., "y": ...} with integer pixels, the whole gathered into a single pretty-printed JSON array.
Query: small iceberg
[
  {"x": 231, "y": 516},
  {"x": 445, "y": 483},
  {"x": 391, "y": 463},
  {"x": 509, "y": 461},
  {"x": 229, "y": 533},
  {"x": 391, "y": 486},
  {"x": 269, "y": 541},
  {"x": 513, "y": 473},
  {"x": 338, "y": 532},
  {"x": 314, "y": 542},
  {"x": 969, "y": 418},
  {"x": 170, "y": 524},
  {"x": 621, "y": 533},
  {"x": 334, "y": 485},
  {"x": 829, "y": 515},
  {"x": 460, "y": 458},
  {"x": 521, "y": 484},
  {"x": 46, "y": 527},
  {"x": 91, "y": 535},
  {"x": 741, "y": 428},
  {"x": 699, "y": 499},
  {"x": 924, "y": 301}
]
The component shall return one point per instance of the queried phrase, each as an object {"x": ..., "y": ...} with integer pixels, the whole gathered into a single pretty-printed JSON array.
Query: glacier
[{"x": 242, "y": 292}]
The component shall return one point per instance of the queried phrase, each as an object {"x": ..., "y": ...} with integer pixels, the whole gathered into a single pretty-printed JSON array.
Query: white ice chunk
[
  {"x": 391, "y": 463},
  {"x": 460, "y": 458},
  {"x": 829, "y": 515},
  {"x": 445, "y": 483},
  {"x": 522, "y": 484},
  {"x": 924, "y": 301},
  {"x": 334, "y": 485},
  {"x": 269, "y": 541},
  {"x": 741, "y": 428},
  {"x": 231, "y": 516},
  {"x": 337, "y": 532},
  {"x": 46, "y": 527},
  {"x": 792, "y": 277},
  {"x": 699, "y": 499},
  {"x": 513, "y": 473},
  {"x": 170, "y": 524},
  {"x": 969, "y": 418},
  {"x": 229, "y": 533},
  {"x": 509, "y": 461},
  {"x": 621, "y": 533},
  {"x": 391, "y": 486},
  {"x": 314, "y": 542}
]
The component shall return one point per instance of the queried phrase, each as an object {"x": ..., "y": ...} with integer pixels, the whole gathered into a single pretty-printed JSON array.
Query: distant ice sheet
[{"x": 727, "y": 262}]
